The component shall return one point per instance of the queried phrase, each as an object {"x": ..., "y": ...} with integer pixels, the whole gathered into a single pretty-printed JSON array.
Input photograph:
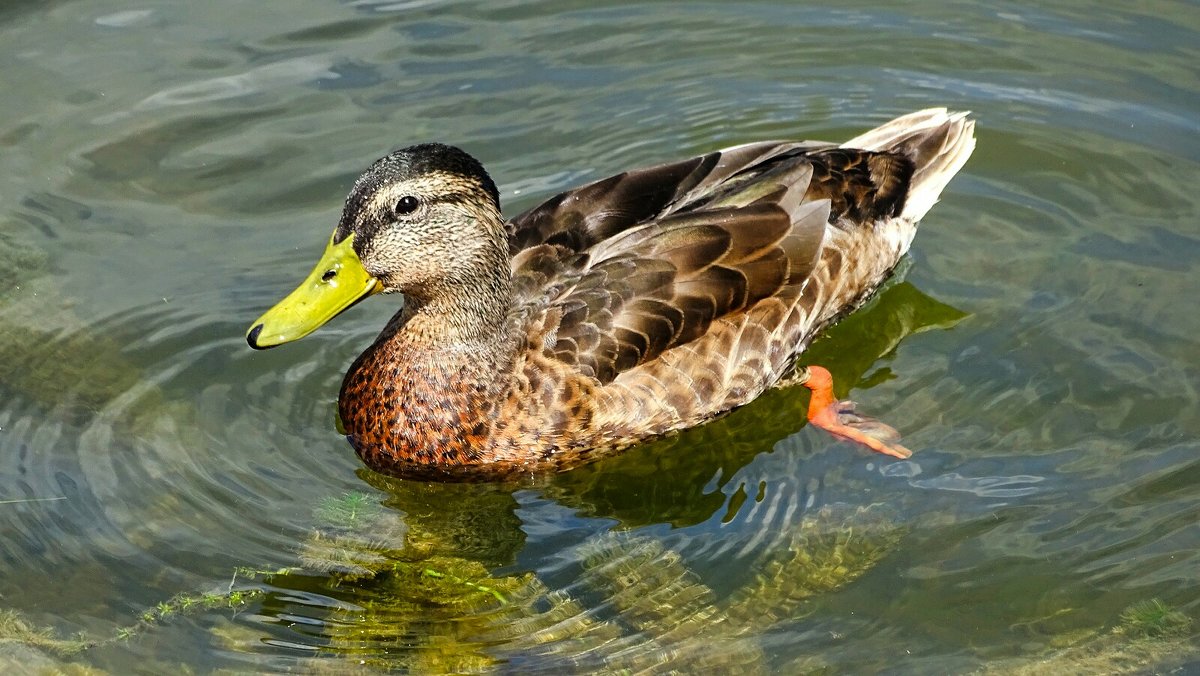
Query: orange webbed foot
[{"x": 840, "y": 418}]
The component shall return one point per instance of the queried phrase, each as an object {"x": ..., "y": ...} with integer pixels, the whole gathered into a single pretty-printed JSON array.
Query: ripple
[
  {"x": 256, "y": 80},
  {"x": 180, "y": 174},
  {"x": 148, "y": 463},
  {"x": 985, "y": 486}
]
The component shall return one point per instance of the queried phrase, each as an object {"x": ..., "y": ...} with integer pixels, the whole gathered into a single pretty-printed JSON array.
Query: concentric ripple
[
  {"x": 168, "y": 173},
  {"x": 150, "y": 431}
]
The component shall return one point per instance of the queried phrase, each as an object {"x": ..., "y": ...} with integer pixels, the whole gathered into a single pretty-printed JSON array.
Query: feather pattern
[{"x": 646, "y": 302}]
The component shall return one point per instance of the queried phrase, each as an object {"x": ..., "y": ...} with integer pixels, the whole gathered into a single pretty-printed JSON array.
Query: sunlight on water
[{"x": 182, "y": 502}]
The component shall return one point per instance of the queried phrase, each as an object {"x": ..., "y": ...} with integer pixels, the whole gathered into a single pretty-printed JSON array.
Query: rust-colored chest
[{"x": 464, "y": 415}]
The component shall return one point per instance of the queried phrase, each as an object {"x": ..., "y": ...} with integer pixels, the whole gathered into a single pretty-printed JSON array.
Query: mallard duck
[{"x": 632, "y": 307}]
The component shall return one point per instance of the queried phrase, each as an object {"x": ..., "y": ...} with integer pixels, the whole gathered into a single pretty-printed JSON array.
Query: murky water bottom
[{"x": 180, "y": 500}]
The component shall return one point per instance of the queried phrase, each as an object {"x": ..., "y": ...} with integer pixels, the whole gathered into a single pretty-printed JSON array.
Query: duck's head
[{"x": 419, "y": 221}]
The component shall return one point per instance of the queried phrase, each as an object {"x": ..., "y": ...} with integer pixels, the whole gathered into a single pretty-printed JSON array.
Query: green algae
[
  {"x": 673, "y": 615},
  {"x": 13, "y": 627},
  {"x": 72, "y": 374},
  {"x": 46, "y": 355},
  {"x": 1149, "y": 637},
  {"x": 19, "y": 263},
  {"x": 441, "y": 614},
  {"x": 349, "y": 510},
  {"x": 825, "y": 551},
  {"x": 1153, "y": 619},
  {"x": 635, "y": 604}
]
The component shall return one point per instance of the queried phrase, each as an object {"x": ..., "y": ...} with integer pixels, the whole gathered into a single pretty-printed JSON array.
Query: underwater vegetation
[
  {"x": 18, "y": 262},
  {"x": 1154, "y": 619},
  {"x": 634, "y": 605},
  {"x": 1149, "y": 637},
  {"x": 49, "y": 358}
]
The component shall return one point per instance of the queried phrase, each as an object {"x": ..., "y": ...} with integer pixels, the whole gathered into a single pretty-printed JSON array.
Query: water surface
[{"x": 170, "y": 170}]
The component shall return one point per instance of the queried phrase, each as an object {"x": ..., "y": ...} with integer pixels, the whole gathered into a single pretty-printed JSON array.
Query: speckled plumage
[{"x": 641, "y": 304}]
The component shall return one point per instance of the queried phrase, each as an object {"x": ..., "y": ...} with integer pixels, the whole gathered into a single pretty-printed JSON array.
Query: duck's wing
[
  {"x": 581, "y": 218},
  {"x": 621, "y": 270}
]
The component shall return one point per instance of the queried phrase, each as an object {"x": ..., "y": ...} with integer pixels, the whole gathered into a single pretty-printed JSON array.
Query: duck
[{"x": 630, "y": 308}]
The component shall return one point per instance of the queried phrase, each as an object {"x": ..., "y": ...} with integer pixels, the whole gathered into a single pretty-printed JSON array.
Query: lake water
[{"x": 170, "y": 169}]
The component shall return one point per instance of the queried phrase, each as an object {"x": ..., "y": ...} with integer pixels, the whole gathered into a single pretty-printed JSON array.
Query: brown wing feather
[
  {"x": 625, "y": 268},
  {"x": 588, "y": 215},
  {"x": 861, "y": 186},
  {"x": 580, "y": 218}
]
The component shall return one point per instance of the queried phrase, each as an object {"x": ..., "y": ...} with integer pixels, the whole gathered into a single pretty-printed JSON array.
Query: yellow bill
[{"x": 338, "y": 281}]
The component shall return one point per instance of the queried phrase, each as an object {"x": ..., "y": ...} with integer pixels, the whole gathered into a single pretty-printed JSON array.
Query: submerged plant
[
  {"x": 825, "y": 551},
  {"x": 672, "y": 616},
  {"x": 1153, "y": 619},
  {"x": 356, "y": 539},
  {"x": 1150, "y": 637},
  {"x": 13, "y": 627},
  {"x": 350, "y": 510},
  {"x": 188, "y": 603},
  {"x": 18, "y": 262},
  {"x": 636, "y": 605}
]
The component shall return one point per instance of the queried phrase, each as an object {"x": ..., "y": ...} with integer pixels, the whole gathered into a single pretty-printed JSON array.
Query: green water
[{"x": 169, "y": 170}]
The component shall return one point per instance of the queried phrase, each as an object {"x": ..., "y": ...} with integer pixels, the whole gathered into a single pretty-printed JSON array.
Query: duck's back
[{"x": 659, "y": 298}]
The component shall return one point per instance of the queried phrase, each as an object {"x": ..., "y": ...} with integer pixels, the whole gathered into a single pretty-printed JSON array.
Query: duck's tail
[{"x": 936, "y": 140}]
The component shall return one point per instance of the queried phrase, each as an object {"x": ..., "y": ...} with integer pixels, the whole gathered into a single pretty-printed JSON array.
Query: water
[{"x": 170, "y": 170}]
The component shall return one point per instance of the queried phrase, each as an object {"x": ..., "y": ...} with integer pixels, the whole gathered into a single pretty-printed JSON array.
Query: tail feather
[{"x": 936, "y": 140}]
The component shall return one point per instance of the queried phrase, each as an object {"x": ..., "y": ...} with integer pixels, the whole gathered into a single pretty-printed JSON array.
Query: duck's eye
[{"x": 406, "y": 205}]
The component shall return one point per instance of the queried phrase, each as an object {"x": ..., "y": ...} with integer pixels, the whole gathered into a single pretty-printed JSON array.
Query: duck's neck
[{"x": 423, "y": 392}]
